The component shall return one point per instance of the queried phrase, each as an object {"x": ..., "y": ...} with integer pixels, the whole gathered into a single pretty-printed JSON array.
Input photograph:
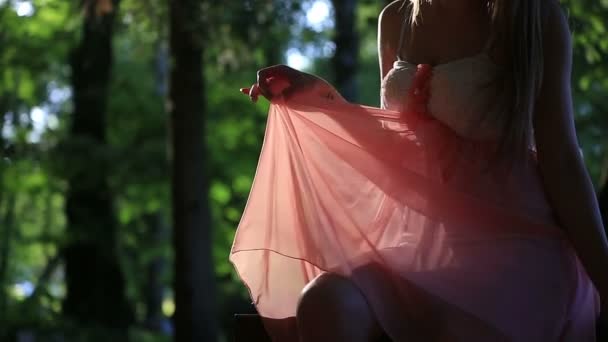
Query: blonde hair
[{"x": 517, "y": 26}]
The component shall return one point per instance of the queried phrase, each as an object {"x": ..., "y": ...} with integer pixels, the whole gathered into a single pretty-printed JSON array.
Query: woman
[{"x": 459, "y": 211}]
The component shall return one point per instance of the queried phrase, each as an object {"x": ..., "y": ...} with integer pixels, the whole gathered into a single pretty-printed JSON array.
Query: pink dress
[{"x": 397, "y": 199}]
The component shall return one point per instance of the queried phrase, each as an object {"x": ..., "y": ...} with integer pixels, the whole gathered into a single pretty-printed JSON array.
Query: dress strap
[{"x": 406, "y": 19}]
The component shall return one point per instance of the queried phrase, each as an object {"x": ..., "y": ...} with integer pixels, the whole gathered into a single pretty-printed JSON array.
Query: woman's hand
[
  {"x": 282, "y": 80},
  {"x": 276, "y": 80}
]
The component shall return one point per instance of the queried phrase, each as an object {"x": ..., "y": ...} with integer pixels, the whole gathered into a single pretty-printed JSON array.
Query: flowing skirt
[{"x": 406, "y": 209}]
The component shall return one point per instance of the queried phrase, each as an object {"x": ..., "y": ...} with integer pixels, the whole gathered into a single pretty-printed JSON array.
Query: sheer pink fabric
[{"x": 398, "y": 202}]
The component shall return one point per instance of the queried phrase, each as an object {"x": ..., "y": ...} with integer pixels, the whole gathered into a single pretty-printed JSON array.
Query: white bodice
[{"x": 461, "y": 92}]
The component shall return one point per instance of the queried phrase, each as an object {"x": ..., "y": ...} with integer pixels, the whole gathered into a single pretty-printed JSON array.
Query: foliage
[
  {"x": 240, "y": 37},
  {"x": 590, "y": 80}
]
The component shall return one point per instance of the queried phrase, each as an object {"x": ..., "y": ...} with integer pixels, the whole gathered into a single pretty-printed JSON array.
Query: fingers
[
  {"x": 254, "y": 92},
  {"x": 289, "y": 91},
  {"x": 264, "y": 89},
  {"x": 263, "y": 82},
  {"x": 277, "y": 72},
  {"x": 272, "y": 81},
  {"x": 276, "y": 86},
  {"x": 299, "y": 85},
  {"x": 280, "y": 71}
]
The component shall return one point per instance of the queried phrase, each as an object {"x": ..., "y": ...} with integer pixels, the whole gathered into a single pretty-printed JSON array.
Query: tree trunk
[
  {"x": 5, "y": 242},
  {"x": 155, "y": 269},
  {"x": 94, "y": 280},
  {"x": 194, "y": 278},
  {"x": 345, "y": 59},
  {"x": 7, "y": 223},
  {"x": 155, "y": 222}
]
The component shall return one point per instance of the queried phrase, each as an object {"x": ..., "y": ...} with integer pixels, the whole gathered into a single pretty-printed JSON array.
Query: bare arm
[{"x": 566, "y": 180}]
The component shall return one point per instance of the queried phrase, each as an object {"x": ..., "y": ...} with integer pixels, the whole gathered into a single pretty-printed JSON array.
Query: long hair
[{"x": 517, "y": 26}]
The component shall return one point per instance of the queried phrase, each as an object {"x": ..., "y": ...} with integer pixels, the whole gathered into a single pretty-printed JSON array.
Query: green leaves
[
  {"x": 587, "y": 21},
  {"x": 241, "y": 37}
]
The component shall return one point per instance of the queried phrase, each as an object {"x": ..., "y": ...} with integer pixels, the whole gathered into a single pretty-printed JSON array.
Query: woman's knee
[
  {"x": 333, "y": 306},
  {"x": 318, "y": 292},
  {"x": 332, "y": 295}
]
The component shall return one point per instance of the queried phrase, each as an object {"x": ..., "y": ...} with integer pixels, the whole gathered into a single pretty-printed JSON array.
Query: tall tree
[
  {"x": 94, "y": 280},
  {"x": 156, "y": 229},
  {"x": 345, "y": 61},
  {"x": 5, "y": 228},
  {"x": 7, "y": 224},
  {"x": 194, "y": 277}
]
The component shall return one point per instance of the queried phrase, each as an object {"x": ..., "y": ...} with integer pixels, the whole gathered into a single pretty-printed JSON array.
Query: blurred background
[{"x": 120, "y": 194}]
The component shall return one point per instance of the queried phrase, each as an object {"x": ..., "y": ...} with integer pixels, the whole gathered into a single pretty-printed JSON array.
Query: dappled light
[{"x": 128, "y": 153}]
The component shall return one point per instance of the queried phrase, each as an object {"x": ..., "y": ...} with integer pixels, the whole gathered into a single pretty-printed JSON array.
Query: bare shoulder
[
  {"x": 389, "y": 26},
  {"x": 389, "y": 23},
  {"x": 393, "y": 9}
]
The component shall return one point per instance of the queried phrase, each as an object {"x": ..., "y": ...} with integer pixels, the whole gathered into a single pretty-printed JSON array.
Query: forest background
[{"x": 120, "y": 194}]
